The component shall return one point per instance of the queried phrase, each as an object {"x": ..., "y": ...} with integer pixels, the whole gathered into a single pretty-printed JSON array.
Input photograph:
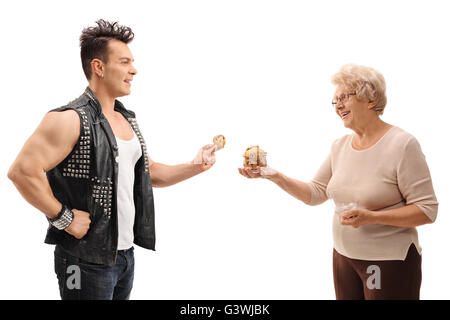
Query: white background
[{"x": 257, "y": 72}]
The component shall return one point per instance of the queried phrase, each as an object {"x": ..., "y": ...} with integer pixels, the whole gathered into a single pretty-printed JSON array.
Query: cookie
[
  {"x": 219, "y": 141},
  {"x": 254, "y": 157}
]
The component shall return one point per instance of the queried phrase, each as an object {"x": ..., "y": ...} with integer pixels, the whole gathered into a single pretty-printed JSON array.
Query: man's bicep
[
  {"x": 154, "y": 173},
  {"x": 52, "y": 141}
]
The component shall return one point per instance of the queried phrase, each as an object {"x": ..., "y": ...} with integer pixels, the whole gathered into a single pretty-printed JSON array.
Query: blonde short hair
[{"x": 368, "y": 84}]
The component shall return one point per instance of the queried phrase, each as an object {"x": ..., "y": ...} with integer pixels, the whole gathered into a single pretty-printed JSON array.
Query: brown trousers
[{"x": 377, "y": 280}]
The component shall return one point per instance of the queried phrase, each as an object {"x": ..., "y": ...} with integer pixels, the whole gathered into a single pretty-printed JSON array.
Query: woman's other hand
[{"x": 357, "y": 217}]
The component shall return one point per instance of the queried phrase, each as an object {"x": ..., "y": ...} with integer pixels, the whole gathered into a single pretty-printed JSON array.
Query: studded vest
[{"x": 86, "y": 180}]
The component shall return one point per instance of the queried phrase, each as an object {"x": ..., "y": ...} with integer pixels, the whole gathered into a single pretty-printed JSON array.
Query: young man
[{"x": 86, "y": 168}]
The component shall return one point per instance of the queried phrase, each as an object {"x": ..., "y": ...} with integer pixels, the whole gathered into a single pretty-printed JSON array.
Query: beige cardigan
[{"x": 390, "y": 174}]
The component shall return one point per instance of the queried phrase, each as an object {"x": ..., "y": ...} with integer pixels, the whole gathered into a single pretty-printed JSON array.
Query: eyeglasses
[{"x": 343, "y": 98}]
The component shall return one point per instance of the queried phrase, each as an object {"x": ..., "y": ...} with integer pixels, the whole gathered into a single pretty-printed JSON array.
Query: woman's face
[{"x": 348, "y": 107}]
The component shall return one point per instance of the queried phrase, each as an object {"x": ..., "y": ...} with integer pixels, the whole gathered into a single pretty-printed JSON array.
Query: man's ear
[{"x": 98, "y": 67}]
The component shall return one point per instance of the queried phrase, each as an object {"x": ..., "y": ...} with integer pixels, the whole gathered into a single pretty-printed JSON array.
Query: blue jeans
[{"x": 82, "y": 280}]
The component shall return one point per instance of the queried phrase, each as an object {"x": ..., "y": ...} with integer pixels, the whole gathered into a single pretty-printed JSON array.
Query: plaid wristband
[{"x": 63, "y": 220}]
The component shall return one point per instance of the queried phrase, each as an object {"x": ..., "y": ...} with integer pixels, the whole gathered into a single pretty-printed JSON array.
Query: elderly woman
[{"x": 381, "y": 185}]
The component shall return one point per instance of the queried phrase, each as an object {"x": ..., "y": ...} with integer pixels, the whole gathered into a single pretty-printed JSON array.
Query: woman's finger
[
  {"x": 347, "y": 221},
  {"x": 252, "y": 174},
  {"x": 243, "y": 172},
  {"x": 350, "y": 214}
]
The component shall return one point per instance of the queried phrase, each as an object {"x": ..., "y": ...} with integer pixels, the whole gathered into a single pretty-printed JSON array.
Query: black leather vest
[{"x": 87, "y": 178}]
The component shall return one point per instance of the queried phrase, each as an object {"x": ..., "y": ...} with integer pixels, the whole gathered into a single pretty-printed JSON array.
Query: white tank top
[{"x": 129, "y": 153}]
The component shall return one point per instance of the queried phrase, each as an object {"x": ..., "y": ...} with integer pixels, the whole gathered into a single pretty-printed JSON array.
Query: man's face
[{"x": 119, "y": 71}]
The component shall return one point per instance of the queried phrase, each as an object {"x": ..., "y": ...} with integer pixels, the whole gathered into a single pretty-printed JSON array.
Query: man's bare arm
[
  {"x": 165, "y": 175},
  {"x": 51, "y": 142}
]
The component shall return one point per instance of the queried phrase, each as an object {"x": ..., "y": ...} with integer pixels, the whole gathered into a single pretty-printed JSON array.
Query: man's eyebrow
[{"x": 126, "y": 58}]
